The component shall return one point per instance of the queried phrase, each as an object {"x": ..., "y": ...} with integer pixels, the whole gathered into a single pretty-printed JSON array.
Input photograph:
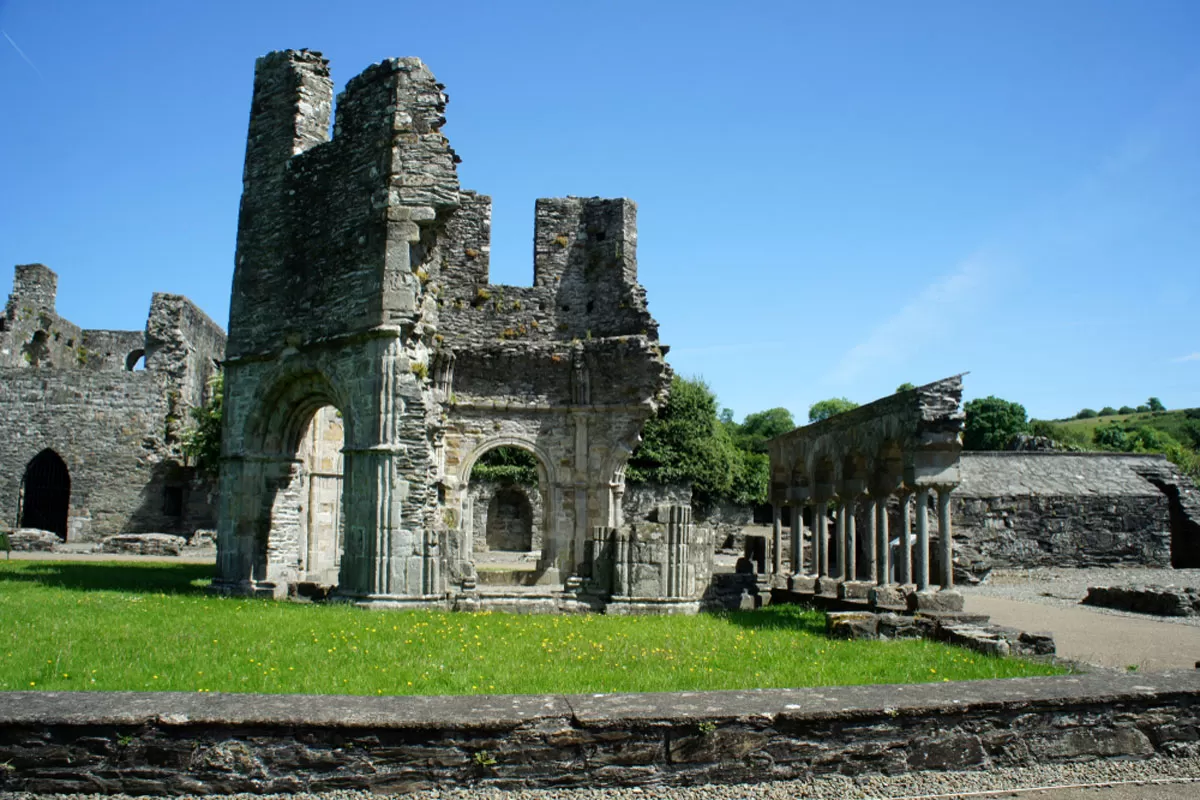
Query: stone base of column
[
  {"x": 277, "y": 591},
  {"x": 947, "y": 600},
  {"x": 804, "y": 584},
  {"x": 827, "y": 585},
  {"x": 385, "y": 601},
  {"x": 651, "y": 607},
  {"x": 853, "y": 590},
  {"x": 888, "y": 597}
]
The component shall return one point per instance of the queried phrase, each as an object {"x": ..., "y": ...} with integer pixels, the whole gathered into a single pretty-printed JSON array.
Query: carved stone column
[
  {"x": 776, "y": 539},
  {"x": 945, "y": 536},
  {"x": 871, "y": 537},
  {"x": 797, "y": 538},
  {"x": 904, "y": 569},
  {"x": 922, "y": 559},
  {"x": 882, "y": 554},
  {"x": 840, "y": 534}
]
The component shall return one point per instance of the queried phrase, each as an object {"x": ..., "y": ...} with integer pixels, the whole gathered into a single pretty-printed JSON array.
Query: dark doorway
[{"x": 46, "y": 493}]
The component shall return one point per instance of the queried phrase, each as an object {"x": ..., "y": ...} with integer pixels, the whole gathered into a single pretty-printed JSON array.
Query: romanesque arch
[{"x": 46, "y": 493}]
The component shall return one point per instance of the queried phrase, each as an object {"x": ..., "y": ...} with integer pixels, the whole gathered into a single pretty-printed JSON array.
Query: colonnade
[{"x": 833, "y": 549}]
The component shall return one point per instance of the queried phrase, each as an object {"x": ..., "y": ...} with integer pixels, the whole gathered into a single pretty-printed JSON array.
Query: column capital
[{"x": 853, "y": 487}]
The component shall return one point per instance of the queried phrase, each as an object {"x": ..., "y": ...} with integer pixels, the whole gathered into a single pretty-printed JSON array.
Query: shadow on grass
[
  {"x": 780, "y": 617},
  {"x": 112, "y": 576}
]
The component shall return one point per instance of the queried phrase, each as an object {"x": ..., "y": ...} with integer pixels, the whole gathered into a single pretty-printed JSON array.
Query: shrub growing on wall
[{"x": 991, "y": 423}]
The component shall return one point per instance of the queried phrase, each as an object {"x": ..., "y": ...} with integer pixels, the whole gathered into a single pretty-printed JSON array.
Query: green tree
[
  {"x": 904, "y": 387},
  {"x": 757, "y": 428},
  {"x": 1111, "y": 437},
  {"x": 1108, "y": 411},
  {"x": 686, "y": 443},
  {"x": 1087, "y": 413},
  {"x": 507, "y": 464},
  {"x": 1126, "y": 410},
  {"x": 1155, "y": 404},
  {"x": 201, "y": 442},
  {"x": 991, "y": 423},
  {"x": 824, "y": 409}
]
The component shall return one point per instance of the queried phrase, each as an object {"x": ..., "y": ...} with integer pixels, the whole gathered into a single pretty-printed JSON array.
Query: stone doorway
[
  {"x": 507, "y": 519},
  {"x": 46, "y": 493},
  {"x": 322, "y": 517}
]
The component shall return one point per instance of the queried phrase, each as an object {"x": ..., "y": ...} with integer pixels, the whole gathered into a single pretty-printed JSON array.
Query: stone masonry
[
  {"x": 89, "y": 444},
  {"x": 361, "y": 283}
]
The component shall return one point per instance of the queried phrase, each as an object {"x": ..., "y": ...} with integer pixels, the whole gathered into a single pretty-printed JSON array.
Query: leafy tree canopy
[
  {"x": 1155, "y": 404},
  {"x": 507, "y": 464},
  {"x": 1126, "y": 410},
  {"x": 991, "y": 423},
  {"x": 824, "y": 409},
  {"x": 201, "y": 442},
  {"x": 1107, "y": 411},
  {"x": 1086, "y": 413},
  {"x": 904, "y": 387},
  {"x": 757, "y": 428}
]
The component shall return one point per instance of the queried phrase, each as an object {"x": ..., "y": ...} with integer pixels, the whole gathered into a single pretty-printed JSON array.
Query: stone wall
[
  {"x": 211, "y": 743},
  {"x": 75, "y": 392},
  {"x": 1032, "y": 509},
  {"x": 481, "y": 505}
]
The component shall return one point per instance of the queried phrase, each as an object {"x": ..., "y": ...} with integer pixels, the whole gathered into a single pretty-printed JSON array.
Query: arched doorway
[
  {"x": 507, "y": 515},
  {"x": 509, "y": 520},
  {"x": 46, "y": 493},
  {"x": 321, "y": 518}
]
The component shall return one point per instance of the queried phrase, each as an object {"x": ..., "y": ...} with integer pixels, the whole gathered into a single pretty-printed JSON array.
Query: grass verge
[{"x": 151, "y": 627}]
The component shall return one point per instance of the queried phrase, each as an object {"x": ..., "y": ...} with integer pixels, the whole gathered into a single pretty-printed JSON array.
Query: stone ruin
[
  {"x": 882, "y": 467},
  {"x": 93, "y": 418},
  {"x": 371, "y": 363}
]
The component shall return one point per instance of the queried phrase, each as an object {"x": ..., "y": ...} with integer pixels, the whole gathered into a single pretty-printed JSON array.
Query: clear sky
[{"x": 834, "y": 198}]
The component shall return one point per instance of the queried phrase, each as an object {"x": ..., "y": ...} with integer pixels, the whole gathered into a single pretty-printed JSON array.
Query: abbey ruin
[
  {"x": 371, "y": 364},
  {"x": 93, "y": 417}
]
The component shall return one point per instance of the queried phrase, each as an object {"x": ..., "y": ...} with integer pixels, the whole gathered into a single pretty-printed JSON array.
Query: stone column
[
  {"x": 776, "y": 539},
  {"x": 922, "y": 559},
  {"x": 946, "y": 536},
  {"x": 870, "y": 537},
  {"x": 850, "y": 573},
  {"x": 904, "y": 569},
  {"x": 882, "y": 572},
  {"x": 840, "y": 537},
  {"x": 797, "y": 539},
  {"x": 822, "y": 536}
]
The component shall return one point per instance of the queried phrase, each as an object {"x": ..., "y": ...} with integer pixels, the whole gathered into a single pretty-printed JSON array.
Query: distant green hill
[
  {"x": 1180, "y": 424},
  {"x": 1175, "y": 434}
]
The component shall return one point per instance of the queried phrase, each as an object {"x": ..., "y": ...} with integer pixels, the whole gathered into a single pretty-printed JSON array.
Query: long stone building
[{"x": 92, "y": 418}]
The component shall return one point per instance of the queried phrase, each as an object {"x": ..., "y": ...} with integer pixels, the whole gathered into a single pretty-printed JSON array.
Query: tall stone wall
[
  {"x": 1023, "y": 509},
  {"x": 362, "y": 282},
  {"x": 116, "y": 428}
]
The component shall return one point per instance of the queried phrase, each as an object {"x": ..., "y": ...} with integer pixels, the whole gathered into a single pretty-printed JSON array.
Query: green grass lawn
[{"x": 151, "y": 627}]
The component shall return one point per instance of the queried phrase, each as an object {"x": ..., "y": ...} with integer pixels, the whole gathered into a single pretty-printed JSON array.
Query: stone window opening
[
  {"x": 46, "y": 494},
  {"x": 135, "y": 361}
]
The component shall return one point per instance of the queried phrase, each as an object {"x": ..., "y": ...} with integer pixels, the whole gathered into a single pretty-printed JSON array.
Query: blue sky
[{"x": 833, "y": 198}]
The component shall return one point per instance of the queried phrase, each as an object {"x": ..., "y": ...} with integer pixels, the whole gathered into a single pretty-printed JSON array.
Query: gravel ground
[
  {"x": 918, "y": 785},
  {"x": 1066, "y": 587}
]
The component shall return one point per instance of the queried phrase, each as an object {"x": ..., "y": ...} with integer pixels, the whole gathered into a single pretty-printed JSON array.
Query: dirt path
[{"x": 1095, "y": 637}]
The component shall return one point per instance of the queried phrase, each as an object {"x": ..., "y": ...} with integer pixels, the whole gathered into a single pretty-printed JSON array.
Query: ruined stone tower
[{"x": 370, "y": 363}]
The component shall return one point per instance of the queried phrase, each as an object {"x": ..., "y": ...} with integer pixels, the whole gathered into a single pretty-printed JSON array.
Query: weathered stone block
[
  {"x": 854, "y": 590},
  {"x": 32, "y": 540},
  {"x": 947, "y": 600},
  {"x": 852, "y": 625},
  {"x": 143, "y": 544},
  {"x": 887, "y": 597}
]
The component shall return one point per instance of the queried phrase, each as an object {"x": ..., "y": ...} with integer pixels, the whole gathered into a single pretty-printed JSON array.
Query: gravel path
[
  {"x": 1170, "y": 778},
  {"x": 1066, "y": 587}
]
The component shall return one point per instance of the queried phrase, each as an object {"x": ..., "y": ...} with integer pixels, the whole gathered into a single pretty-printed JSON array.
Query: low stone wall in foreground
[{"x": 211, "y": 743}]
